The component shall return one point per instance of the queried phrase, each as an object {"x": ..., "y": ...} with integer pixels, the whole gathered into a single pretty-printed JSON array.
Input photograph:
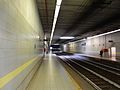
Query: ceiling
[{"x": 79, "y": 18}]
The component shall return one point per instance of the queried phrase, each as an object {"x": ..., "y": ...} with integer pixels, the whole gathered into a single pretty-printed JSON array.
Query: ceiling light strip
[
  {"x": 104, "y": 34},
  {"x": 118, "y": 30},
  {"x": 57, "y": 9},
  {"x": 67, "y": 37}
]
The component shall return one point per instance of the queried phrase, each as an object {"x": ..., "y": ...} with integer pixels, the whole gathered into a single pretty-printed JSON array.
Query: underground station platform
[
  {"x": 66, "y": 71},
  {"x": 59, "y": 44}
]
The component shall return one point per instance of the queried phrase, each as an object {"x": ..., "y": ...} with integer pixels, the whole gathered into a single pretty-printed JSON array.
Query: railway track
[
  {"x": 102, "y": 71},
  {"x": 110, "y": 68},
  {"x": 92, "y": 75},
  {"x": 106, "y": 62}
]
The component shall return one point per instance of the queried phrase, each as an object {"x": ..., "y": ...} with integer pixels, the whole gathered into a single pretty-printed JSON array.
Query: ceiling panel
[{"x": 80, "y": 18}]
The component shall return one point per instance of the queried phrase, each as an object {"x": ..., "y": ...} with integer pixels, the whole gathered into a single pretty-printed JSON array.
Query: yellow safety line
[{"x": 5, "y": 79}]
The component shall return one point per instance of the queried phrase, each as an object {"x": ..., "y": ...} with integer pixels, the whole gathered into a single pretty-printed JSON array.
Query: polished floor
[{"x": 52, "y": 76}]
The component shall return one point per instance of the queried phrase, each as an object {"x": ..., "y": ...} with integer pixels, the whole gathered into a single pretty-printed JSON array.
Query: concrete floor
[{"x": 52, "y": 76}]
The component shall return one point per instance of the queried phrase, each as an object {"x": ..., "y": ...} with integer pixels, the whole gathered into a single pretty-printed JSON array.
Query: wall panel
[{"x": 19, "y": 30}]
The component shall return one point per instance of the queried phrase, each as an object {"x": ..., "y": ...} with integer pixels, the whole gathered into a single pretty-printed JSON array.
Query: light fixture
[
  {"x": 57, "y": 44},
  {"x": 57, "y": 9},
  {"x": 53, "y": 28},
  {"x": 59, "y": 2},
  {"x": 51, "y": 48},
  {"x": 66, "y": 37},
  {"x": 104, "y": 34}
]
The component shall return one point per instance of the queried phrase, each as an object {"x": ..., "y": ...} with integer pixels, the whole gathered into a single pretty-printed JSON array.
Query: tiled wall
[
  {"x": 94, "y": 45},
  {"x": 19, "y": 31}
]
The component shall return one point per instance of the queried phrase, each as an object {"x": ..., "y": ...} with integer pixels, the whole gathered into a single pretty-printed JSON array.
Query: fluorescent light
[
  {"x": 56, "y": 44},
  {"x": 57, "y": 9},
  {"x": 51, "y": 48},
  {"x": 66, "y": 37},
  {"x": 59, "y": 2},
  {"x": 53, "y": 29},
  {"x": 104, "y": 34},
  {"x": 54, "y": 23}
]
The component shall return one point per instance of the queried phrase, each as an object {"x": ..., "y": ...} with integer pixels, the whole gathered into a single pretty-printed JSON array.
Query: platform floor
[{"x": 52, "y": 76}]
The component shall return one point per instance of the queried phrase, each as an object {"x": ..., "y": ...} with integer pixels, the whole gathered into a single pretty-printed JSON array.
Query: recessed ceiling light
[{"x": 67, "y": 37}]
